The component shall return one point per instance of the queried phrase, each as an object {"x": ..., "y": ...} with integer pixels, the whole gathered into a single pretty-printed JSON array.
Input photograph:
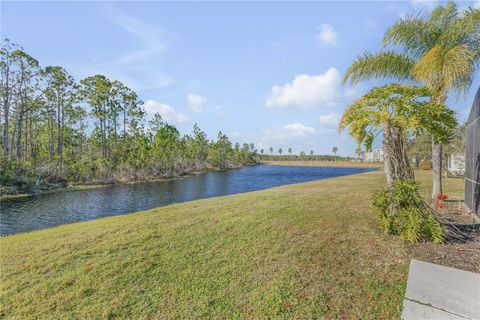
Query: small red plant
[{"x": 441, "y": 197}]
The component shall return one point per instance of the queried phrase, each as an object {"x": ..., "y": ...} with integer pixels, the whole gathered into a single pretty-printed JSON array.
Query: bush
[
  {"x": 7, "y": 172},
  {"x": 403, "y": 212},
  {"x": 25, "y": 177},
  {"x": 425, "y": 165}
]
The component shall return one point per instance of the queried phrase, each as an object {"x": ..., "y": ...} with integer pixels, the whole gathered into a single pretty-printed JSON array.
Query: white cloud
[
  {"x": 330, "y": 120},
  {"x": 168, "y": 113},
  {"x": 290, "y": 134},
  {"x": 327, "y": 34},
  {"x": 196, "y": 103},
  {"x": 140, "y": 65},
  {"x": 295, "y": 135},
  {"x": 280, "y": 136},
  {"x": 307, "y": 91},
  {"x": 476, "y": 4},
  {"x": 298, "y": 129}
]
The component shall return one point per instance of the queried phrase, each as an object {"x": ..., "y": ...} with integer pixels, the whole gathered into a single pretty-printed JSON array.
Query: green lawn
[{"x": 311, "y": 250}]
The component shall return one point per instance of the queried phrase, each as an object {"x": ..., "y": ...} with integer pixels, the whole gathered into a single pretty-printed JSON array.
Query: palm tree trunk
[
  {"x": 387, "y": 154},
  {"x": 437, "y": 158},
  {"x": 400, "y": 164},
  {"x": 436, "y": 168}
]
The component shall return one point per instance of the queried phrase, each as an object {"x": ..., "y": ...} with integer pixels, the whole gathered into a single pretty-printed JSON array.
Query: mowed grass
[{"x": 311, "y": 250}]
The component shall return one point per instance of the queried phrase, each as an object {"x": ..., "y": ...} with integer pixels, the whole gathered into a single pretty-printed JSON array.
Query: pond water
[{"x": 61, "y": 207}]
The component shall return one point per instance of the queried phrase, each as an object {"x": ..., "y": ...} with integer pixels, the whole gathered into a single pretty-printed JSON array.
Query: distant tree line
[
  {"x": 302, "y": 156},
  {"x": 56, "y": 130}
]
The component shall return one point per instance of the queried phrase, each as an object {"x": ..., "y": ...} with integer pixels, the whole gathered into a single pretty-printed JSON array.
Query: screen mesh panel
[{"x": 472, "y": 169}]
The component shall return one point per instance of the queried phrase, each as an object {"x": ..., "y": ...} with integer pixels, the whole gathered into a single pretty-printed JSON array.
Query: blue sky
[{"x": 267, "y": 73}]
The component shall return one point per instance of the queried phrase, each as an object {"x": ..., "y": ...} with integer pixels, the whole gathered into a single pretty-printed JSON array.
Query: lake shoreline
[
  {"x": 94, "y": 185},
  {"x": 87, "y": 185},
  {"x": 89, "y": 203}
]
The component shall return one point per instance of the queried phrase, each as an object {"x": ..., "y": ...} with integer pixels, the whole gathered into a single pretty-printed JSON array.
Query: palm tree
[
  {"x": 334, "y": 150},
  {"x": 397, "y": 111},
  {"x": 359, "y": 153},
  {"x": 441, "y": 51},
  {"x": 271, "y": 151},
  {"x": 280, "y": 151},
  {"x": 290, "y": 151},
  {"x": 302, "y": 155}
]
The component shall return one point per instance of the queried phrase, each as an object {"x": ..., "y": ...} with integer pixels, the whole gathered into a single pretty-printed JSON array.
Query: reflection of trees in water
[
  {"x": 196, "y": 187},
  {"x": 204, "y": 185}
]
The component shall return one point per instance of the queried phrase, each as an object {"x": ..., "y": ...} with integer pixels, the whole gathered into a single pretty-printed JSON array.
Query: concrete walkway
[{"x": 439, "y": 293}]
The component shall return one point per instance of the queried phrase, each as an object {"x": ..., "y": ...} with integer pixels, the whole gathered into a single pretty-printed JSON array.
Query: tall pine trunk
[
  {"x": 104, "y": 153},
  {"x": 50, "y": 139},
  {"x": 6, "y": 144},
  {"x": 26, "y": 137},
  {"x": 6, "y": 111},
  {"x": 60, "y": 134},
  {"x": 33, "y": 140},
  {"x": 19, "y": 136}
]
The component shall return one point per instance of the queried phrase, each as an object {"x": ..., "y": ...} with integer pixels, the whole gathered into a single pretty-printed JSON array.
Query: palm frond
[
  {"x": 410, "y": 34},
  {"x": 443, "y": 69},
  {"x": 443, "y": 16},
  {"x": 464, "y": 30},
  {"x": 383, "y": 65}
]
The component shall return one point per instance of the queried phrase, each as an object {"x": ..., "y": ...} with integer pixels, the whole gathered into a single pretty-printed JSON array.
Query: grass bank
[
  {"x": 311, "y": 250},
  {"x": 338, "y": 164}
]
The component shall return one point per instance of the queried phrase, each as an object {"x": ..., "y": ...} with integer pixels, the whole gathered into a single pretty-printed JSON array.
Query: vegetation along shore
[{"x": 60, "y": 132}]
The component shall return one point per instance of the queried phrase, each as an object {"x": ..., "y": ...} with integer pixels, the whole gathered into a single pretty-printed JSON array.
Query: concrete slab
[
  {"x": 437, "y": 292},
  {"x": 414, "y": 310}
]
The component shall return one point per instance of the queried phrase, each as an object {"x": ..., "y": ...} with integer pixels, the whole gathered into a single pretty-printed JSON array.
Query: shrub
[
  {"x": 425, "y": 165},
  {"x": 402, "y": 212},
  {"x": 17, "y": 177},
  {"x": 7, "y": 172}
]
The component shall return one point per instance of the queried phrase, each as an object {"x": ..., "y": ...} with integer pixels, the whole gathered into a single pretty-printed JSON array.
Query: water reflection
[{"x": 47, "y": 210}]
